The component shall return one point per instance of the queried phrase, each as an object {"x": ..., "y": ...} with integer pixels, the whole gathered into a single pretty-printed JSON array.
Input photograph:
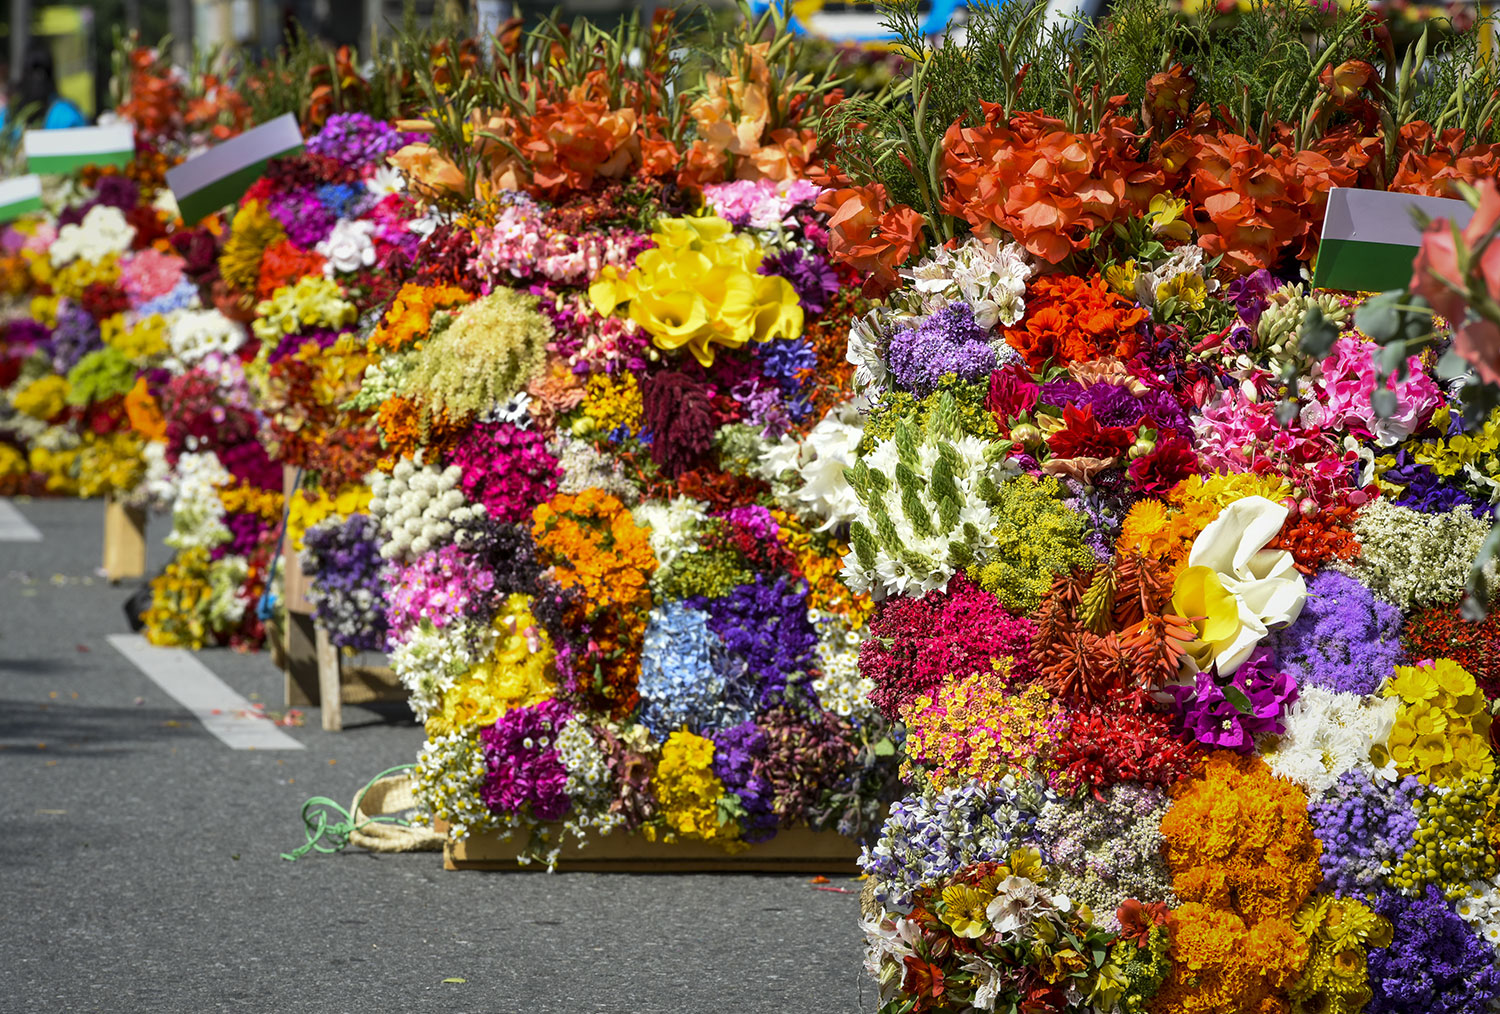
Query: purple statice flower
[
  {"x": 1363, "y": 823},
  {"x": 1208, "y": 707},
  {"x": 524, "y": 772},
  {"x": 765, "y": 623},
  {"x": 1117, "y": 405},
  {"x": 343, "y": 558},
  {"x": 356, "y": 140},
  {"x": 1250, "y": 294},
  {"x": 735, "y": 751},
  {"x": 24, "y": 336},
  {"x": 302, "y": 215},
  {"x": 813, "y": 277},
  {"x": 949, "y": 341},
  {"x": 1436, "y": 963},
  {"x": 1346, "y": 639},
  {"x": 76, "y": 335}
]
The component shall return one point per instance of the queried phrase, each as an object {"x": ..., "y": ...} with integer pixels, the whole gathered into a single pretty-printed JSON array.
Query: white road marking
[
  {"x": 13, "y": 524},
  {"x": 222, "y": 711}
]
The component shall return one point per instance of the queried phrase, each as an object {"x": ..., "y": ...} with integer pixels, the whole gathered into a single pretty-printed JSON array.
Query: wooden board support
[
  {"x": 797, "y": 850},
  {"x": 330, "y": 694},
  {"x": 124, "y": 541}
]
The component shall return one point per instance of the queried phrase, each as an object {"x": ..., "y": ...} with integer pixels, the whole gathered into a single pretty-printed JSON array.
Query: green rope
[{"x": 316, "y": 827}]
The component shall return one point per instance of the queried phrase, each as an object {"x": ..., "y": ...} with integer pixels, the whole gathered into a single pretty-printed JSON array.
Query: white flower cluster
[
  {"x": 1328, "y": 733},
  {"x": 589, "y": 782},
  {"x": 583, "y": 468},
  {"x": 990, "y": 277},
  {"x": 1412, "y": 559},
  {"x": 447, "y": 782},
  {"x": 841, "y": 689},
  {"x": 102, "y": 232},
  {"x": 195, "y": 334},
  {"x": 1481, "y": 910},
  {"x": 867, "y": 339},
  {"x": 1185, "y": 260},
  {"x": 418, "y": 507},
  {"x": 349, "y": 247},
  {"x": 197, "y": 511},
  {"x": 673, "y": 527},
  {"x": 817, "y": 463},
  {"x": 432, "y": 660}
]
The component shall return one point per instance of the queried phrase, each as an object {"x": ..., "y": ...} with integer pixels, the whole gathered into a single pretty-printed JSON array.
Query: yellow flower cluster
[
  {"x": 179, "y": 600},
  {"x": 1339, "y": 932},
  {"x": 1448, "y": 456},
  {"x": 12, "y": 462},
  {"x": 308, "y": 510},
  {"x": 1454, "y": 843},
  {"x": 252, "y": 231},
  {"x": 43, "y": 398},
  {"x": 1441, "y": 732},
  {"x": 57, "y": 467},
  {"x": 517, "y": 673},
  {"x": 242, "y": 499},
  {"x": 613, "y": 401},
  {"x": 44, "y": 310},
  {"x": 138, "y": 342},
  {"x": 109, "y": 464},
  {"x": 978, "y": 728},
  {"x": 314, "y": 301},
  {"x": 700, "y": 287},
  {"x": 1165, "y": 531},
  {"x": 688, "y": 791},
  {"x": 71, "y": 281}
]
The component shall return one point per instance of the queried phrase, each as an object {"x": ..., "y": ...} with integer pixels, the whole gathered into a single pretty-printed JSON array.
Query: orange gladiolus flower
[{"x": 869, "y": 237}]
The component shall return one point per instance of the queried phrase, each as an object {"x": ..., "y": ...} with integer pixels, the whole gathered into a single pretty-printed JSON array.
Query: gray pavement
[{"x": 140, "y": 869}]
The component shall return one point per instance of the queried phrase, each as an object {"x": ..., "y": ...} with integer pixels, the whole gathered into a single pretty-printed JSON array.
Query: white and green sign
[
  {"x": 1370, "y": 237},
  {"x": 20, "y": 196},
  {"x": 221, "y": 175},
  {"x": 59, "y": 152}
]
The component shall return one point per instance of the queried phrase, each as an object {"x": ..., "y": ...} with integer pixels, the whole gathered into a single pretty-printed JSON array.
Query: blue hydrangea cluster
[
  {"x": 343, "y": 200},
  {"x": 343, "y": 557},
  {"x": 1436, "y": 963},
  {"x": 687, "y": 677},
  {"x": 180, "y": 298},
  {"x": 1362, "y": 823},
  {"x": 1346, "y": 639},
  {"x": 949, "y": 341},
  {"x": 765, "y": 623},
  {"x": 735, "y": 750},
  {"x": 927, "y": 838}
]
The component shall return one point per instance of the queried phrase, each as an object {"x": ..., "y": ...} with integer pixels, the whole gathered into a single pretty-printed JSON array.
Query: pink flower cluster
[
  {"x": 1345, "y": 388},
  {"x": 440, "y": 587},
  {"x": 507, "y": 469},
  {"x": 521, "y": 243},
  {"x": 150, "y": 274},
  {"x": 759, "y": 204}
]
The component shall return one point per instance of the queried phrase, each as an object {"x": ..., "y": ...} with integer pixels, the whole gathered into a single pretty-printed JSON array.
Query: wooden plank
[
  {"x": 124, "y": 541},
  {"x": 294, "y": 583},
  {"x": 300, "y": 661},
  {"x": 330, "y": 695},
  {"x": 795, "y": 850}
]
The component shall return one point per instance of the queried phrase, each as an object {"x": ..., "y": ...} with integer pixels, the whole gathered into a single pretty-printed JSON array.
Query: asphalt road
[{"x": 140, "y": 863}]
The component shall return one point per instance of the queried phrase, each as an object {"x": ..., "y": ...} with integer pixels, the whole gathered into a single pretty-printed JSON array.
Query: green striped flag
[
  {"x": 58, "y": 152},
  {"x": 20, "y": 196},
  {"x": 221, "y": 175},
  {"x": 1370, "y": 238}
]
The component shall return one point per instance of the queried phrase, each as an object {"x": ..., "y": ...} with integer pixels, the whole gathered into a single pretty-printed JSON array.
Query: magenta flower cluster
[
  {"x": 524, "y": 772},
  {"x": 441, "y": 587},
  {"x": 507, "y": 469}
]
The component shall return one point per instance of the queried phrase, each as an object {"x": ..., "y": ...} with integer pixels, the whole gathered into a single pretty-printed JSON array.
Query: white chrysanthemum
[
  {"x": 1327, "y": 734},
  {"x": 197, "y": 511},
  {"x": 433, "y": 659},
  {"x": 194, "y": 334},
  {"x": 102, "y": 232},
  {"x": 673, "y": 527},
  {"x": 840, "y": 688}
]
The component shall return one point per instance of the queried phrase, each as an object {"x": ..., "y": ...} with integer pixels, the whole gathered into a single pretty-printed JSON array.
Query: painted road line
[
  {"x": 13, "y": 525},
  {"x": 222, "y": 711}
]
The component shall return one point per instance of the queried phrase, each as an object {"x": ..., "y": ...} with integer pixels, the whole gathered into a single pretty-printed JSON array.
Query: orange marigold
[
  {"x": 1071, "y": 319},
  {"x": 409, "y": 318}
]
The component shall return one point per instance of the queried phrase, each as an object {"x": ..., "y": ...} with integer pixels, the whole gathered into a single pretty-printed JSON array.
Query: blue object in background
[
  {"x": 63, "y": 115},
  {"x": 843, "y": 21}
]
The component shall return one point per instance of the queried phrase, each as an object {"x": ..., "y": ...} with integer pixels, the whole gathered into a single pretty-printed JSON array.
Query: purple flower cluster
[
  {"x": 1346, "y": 639},
  {"x": 735, "y": 751},
  {"x": 1251, "y": 294},
  {"x": 1363, "y": 823},
  {"x": 524, "y": 770},
  {"x": 302, "y": 215},
  {"x": 23, "y": 336},
  {"x": 1428, "y": 492},
  {"x": 813, "y": 277},
  {"x": 1117, "y": 405},
  {"x": 1436, "y": 964},
  {"x": 355, "y": 140},
  {"x": 1211, "y": 711},
  {"x": 343, "y": 558},
  {"x": 244, "y": 535},
  {"x": 75, "y": 336},
  {"x": 765, "y": 623},
  {"x": 949, "y": 341}
]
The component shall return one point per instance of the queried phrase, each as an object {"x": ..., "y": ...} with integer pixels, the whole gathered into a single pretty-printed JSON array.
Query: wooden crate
[
  {"x": 124, "y": 541},
  {"x": 797, "y": 850}
]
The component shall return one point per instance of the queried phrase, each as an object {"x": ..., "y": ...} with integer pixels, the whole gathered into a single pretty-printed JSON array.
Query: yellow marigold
[
  {"x": 1339, "y": 932},
  {"x": 43, "y": 398},
  {"x": 613, "y": 401},
  {"x": 517, "y": 673},
  {"x": 252, "y": 230},
  {"x": 109, "y": 464},
  {"x": 688, "y": 791},
  {"x": 1223, "y": 965},
  {"x": 1441, "y": 731}
]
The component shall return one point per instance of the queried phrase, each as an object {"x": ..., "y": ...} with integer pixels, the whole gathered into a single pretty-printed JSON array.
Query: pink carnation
[
  {"x": 507, "y": 469},
  {"x": 441, "y": 587}
]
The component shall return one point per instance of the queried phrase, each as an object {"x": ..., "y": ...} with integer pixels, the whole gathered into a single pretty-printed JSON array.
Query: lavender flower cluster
[
  {"x": 765, "y": 623},
  {"x": 949, "y": 341},
  {"x": 927, "y": 838},
  {"x": 1346, "y": 639},
  {"x": 1435, "y": 964},
  {"x": 343, "y": 557},
  {"x": 355, "y": 140},
  {"x": 1362, "y": 824}
]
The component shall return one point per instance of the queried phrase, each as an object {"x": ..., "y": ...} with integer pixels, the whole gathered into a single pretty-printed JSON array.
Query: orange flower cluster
[
  {"x": 1049, "y": 188},
  {"x": 406, "y": 428},
  {"x": 1071, "y": 319},
  {"x": 282, "y": 263},
  {"x": 873, "y": 239},
  {"x": 1243, "y": 859},
  {"x": 735, "y": 137},
  {"x": 409, "y": 319},
  {"x": 1429, "y": 162},
  {"x": 595, "y": 547},
  {"x": 163, "y": 113}
]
